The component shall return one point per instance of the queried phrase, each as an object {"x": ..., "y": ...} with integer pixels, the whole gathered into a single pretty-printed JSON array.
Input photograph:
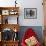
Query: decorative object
[
  {"x": 13, "y": 12},
  {"x": 15, "y": 3},
  {"x": 15, "y": 37},
  {"x": 7, "y": 34},
  {"x": 6, "y": 21},
  {"x": 30, "y": 13},
  {"x": 5, "y": 12},
  {"x": 15, "y": 30}
]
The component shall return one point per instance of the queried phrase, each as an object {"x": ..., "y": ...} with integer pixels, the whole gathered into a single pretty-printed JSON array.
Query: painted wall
[
  {"x": 27, "y": 4},
  {"x": 31, "y": 4}
]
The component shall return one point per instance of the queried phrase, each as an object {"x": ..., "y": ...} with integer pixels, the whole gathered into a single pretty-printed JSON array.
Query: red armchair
[{"x": 28, "y": 34}]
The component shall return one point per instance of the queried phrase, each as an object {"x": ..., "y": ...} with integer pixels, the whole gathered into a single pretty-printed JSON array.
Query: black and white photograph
[{"x": 30, "y": 13}]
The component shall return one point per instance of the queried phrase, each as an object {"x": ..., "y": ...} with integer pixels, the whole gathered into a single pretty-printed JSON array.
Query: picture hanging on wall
[{"x": 30, "y": 13}]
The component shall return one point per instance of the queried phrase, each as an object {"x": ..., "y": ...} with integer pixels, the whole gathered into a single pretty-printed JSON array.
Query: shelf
[
  {"x": 11, "y": 41},
  {"x": 4, "y": 8},
  {"x": 8, "y": 15},
  {"x": 9, "y": 10},
  {"x": 10, "y": 26},
  {"x": 9, "y": 19}
]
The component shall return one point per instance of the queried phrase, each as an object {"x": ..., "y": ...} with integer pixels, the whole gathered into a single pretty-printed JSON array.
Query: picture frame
[
  {"x": 5, "y": 12},
  {"x": 30, "y": 13}
]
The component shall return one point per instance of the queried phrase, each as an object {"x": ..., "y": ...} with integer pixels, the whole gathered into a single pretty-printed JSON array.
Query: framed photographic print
[
  {"x": 30, "y": 13},
  {"x": 5, "y": 12}
]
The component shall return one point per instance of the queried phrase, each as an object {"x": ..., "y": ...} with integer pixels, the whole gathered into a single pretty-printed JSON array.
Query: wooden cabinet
[{"x": 9, "y": 25}]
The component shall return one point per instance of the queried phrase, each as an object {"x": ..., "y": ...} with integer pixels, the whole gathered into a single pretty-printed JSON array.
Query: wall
[
  {"x": 27, "y": 4},
  {"x": 31, "y": 4}
]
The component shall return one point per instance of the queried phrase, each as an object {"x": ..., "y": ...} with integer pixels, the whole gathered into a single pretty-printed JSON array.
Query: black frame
[{"x": 30, "y": 17}]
